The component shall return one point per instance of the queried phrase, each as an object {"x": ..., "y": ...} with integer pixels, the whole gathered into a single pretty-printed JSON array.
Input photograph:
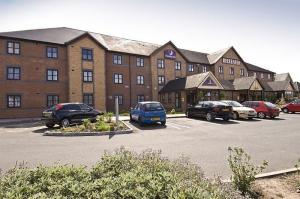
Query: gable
[
  {"x": 210, "y": 82},
  {"x": 169, "y": 51},
  {"x": 256, "y": 86},
  {"x": 290, "y": 87}
]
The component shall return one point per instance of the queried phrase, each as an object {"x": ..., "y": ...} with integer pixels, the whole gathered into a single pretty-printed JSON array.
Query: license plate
[
  {"x": 226, "y": 109},
  {"x": 47, "y": 114},
  {"x": 155, "y": 118}
]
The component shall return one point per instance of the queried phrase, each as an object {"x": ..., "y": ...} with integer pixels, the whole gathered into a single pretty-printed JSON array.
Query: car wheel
[
  {"x": 163, "y": 123},
  {"x": 285, "y": 110},
  {"x": 50, "y": 125},
  {"x": 261, "y": 115},
  {"x": 65, "y": 123},
  {"x": 226, "y": 119},
  {"x": 140, "y": 122},
  {"x": 235, "y": 116},
  {"x": 209, "y": 117}
]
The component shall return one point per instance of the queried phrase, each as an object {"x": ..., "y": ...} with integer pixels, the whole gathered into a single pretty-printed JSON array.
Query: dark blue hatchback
[{"x": 148, "y": 113}]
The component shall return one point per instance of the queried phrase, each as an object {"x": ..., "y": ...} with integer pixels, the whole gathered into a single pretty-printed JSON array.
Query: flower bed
[{"x": 104, "y": 125}]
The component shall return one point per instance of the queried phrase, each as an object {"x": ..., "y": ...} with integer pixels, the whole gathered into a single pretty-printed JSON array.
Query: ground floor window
[
  {"x": 52, "y": 100},
  {"x": 177, "y": 100},
  {"x": 88, "y": 98},
  {"x": 120, "y": 99},
  {"x": 14, "y": 101},
  {"x": 140, "y": 98}
]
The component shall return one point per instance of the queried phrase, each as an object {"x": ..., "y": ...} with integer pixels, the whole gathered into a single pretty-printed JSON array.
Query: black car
[
  {"x": 65, "y": 114},
  {"x": 210, "y": 110}
]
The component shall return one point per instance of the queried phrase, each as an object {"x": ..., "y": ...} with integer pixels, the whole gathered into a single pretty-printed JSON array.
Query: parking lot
[{"x": 205, "y": 143}]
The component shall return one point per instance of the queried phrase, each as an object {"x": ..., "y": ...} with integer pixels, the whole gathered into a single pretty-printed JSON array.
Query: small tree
[
  {"x": 243, "y": 171},
  {"x": 222, "y": 95},
  {"x": 200, "y": 95}
]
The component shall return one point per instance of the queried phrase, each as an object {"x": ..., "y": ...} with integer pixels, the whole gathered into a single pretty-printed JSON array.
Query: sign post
[{"x": 117, "y": 109}]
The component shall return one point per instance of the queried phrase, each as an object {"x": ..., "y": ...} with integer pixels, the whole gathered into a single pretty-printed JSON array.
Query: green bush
[
  {"x": 102, "y": 126},
  {"x": 243, "y": 170},
  {"x": 123, "y": 174}
]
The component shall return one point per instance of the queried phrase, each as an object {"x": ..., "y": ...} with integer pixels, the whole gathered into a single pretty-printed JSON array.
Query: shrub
[
  {"x": 87, "y": 124},
  {"x": 243, "y": 170},
  {"x": 122, "y": 174},
  {"x": 102, "y": 126},
  {"x": 109, "y": 116}
]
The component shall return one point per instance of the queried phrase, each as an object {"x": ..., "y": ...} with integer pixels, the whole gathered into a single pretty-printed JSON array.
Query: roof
[
  {"x": 279, "y": 85},
  {"x": 51, "y": 35},
  {"x": 227, "y": 84},
  {"x": 63, "y": 35},
  {"x": 297, "y": 86},
  {"x": 243, "y": 83},
  {"x": 189, "y": 82},
  {"x": 252, "y": 67},
  {"x": 195, "y": 57},
  {"x": 214, "y": 57},
  {"x": 283, "y": 77},
  {"x": 265, "y": 85}
]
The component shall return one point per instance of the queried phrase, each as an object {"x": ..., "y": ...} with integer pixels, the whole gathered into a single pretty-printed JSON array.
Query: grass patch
[{"x": 122, "y": 174}]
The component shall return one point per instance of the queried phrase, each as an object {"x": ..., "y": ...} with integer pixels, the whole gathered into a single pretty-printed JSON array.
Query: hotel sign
[
  {"x": 231, "y": 61},
  {"x": 170, "y": 54}
]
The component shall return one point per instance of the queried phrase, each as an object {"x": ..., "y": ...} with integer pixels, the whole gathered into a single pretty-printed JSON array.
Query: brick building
[{"x": 43, "y": 67}]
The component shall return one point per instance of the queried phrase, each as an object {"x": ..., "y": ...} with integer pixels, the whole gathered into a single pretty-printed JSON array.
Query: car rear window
[
  {"x": 270, "y": 105},
  {"x": 71, "y": 107},
  {"x": 153, "y": 107}
]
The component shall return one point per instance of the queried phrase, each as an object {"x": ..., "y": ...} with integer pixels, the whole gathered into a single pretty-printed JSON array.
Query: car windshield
[
  {"x": 270, "y": 105},
  {"x": 234, "y": 104},
  {"x": 153, "y": 107}
]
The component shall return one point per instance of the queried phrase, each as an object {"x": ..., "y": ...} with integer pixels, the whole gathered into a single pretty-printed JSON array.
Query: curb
[
  {"x": 75, "y": 134},
  {"x": 20, "y": 121},
  {"x": 271, "y": 174}
]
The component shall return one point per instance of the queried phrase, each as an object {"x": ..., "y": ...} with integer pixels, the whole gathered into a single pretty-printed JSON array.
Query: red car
[
  {"x": 292, "y": 107},
  {"x": 263, "y": 109}
]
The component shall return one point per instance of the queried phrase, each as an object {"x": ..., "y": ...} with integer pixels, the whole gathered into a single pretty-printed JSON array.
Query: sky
[{"x": 264, "y": 32}]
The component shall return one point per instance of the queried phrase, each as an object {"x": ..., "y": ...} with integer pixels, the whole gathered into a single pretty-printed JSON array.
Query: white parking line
[
  {"x": 175, "y": 127},
  {"x": 179, "y": 125}
]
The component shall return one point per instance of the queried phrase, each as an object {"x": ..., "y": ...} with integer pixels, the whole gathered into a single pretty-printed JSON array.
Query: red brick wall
[{"x": 33, "y": 86}]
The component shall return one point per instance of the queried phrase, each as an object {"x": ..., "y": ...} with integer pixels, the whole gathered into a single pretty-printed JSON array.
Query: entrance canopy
[{"x": 198, "y": 81}]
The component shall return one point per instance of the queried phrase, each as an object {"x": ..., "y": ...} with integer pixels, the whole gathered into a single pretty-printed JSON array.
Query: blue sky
[{"x": 265, "y": 33}]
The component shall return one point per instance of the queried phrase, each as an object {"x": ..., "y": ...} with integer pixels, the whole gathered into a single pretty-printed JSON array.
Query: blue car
[{"x": 148, "y": 113}]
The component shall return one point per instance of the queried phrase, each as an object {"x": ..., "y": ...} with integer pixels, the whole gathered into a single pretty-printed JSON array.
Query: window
[
  {"x": 14, "y": 101},
  {"x": 190, "y": 67},
  {"x": 177, "y": 65},
  {"x": 52, "y": 75},
  {"x": 254, "y": 74},
  {"x": 13, "y": 48},
  {"x": 140, "y": 98},
  {"x": 162, "y": 97},
  {"x": 242, "y": 72},
  {"x": 88, "y": 99},
  {"x": 221, "y": 70},
  {"x": 52, "y": 52},
  {"x": 169, "y": 97},
  {"x": 261, "y": 75},
  {"x": 269, "y": 76},
  {"x": 87, "y": 76},
  {"x": 231, "y": 71},
  {"x": 177, "y": 100},
  {"x": 160, "y": 63},
  {"x": 120, "y": 99},
  {"x": 87, "y": 54},
  {"x": 140, "y": 79},
  {"x": 118, "y": 78},
  {"x": 52, "y": 100},
  {"x": 13, "y": 73},
  {"x": 204, "y": 69},
  {"x": 140, "y": 62},
  {"x": 161, "y": 80},
  {"x": 117, "y": 59}
]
